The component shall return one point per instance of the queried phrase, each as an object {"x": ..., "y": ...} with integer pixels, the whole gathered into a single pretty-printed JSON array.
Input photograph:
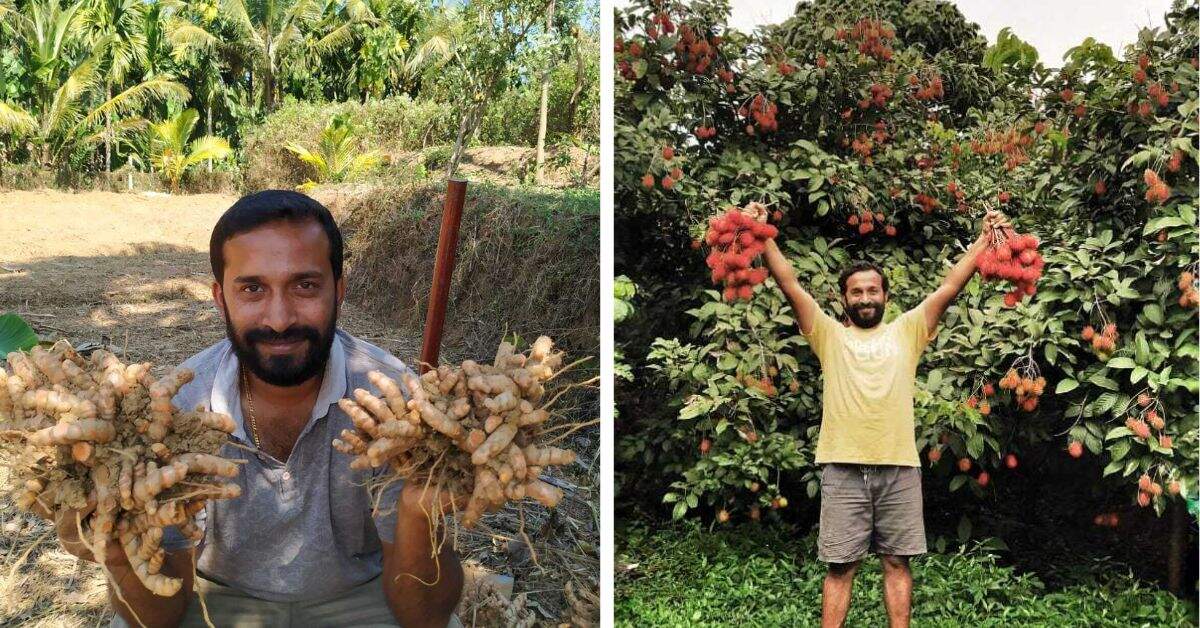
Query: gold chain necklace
[{"x": 250, "y": 402}]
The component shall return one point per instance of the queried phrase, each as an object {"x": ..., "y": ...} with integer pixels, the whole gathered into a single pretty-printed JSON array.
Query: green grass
[{"x": 756, "y": 576}]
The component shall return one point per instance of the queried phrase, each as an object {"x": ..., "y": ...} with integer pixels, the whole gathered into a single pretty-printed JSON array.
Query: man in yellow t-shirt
[{"x": 870, "y": 472}]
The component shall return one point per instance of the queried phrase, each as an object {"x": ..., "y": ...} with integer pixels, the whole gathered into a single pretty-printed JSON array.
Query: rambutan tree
[{"x": 885, "y": 130}]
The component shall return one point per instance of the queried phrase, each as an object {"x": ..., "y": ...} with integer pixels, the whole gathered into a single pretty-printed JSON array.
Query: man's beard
[
  {"x": 284, "y": 370},
  {"x": 866, "y": 322}
]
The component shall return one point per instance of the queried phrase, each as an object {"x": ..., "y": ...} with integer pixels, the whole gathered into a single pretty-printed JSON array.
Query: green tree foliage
[
  {"x": 60, "y": 117},
  {"x": 900, "y": 109},
  {"x": 78, "y": 81}
]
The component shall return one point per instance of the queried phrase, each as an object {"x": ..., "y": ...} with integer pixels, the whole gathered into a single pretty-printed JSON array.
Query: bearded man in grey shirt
[{"x": 302, "y": 545}]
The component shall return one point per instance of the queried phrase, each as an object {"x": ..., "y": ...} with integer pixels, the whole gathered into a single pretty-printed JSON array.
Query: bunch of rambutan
[
  {"x": 1187, "y": 285},
  {"x": 1026, "y": 389},
  {"x": 763, "y": 111},
  {"x": 1103, "y": 343},
  {"x": 1157, "y": 190},
  {"x": 1013, "y": 257},
  {"x": 737, "y": 240}
]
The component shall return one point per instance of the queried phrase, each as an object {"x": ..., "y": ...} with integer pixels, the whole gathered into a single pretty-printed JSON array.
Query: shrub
[
  {"x": 337, "y": 156},
  {"x": 436, "y": 158},
  {"x": 391, "y": 125}
]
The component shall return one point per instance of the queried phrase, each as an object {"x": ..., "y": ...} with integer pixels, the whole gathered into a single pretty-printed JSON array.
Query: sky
[{"x": 1051, "y": 26}]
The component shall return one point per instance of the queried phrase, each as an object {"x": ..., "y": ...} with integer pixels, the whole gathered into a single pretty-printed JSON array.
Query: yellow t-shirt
[{"x": 867, "y": 400}]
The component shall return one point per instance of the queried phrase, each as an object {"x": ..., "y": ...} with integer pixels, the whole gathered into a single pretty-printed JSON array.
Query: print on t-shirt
[{"x": 880, "y": 347}]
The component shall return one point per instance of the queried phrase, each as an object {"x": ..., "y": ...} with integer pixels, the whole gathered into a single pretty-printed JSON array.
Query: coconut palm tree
[
  {"x": 272, "y": 29},
  {"x": 387, "y": 42},
  {"x": 172, "y": 154},
  {"x": 336, "y": 158},
  {"x": 117, "y": 23},
  {"x": 58, "y": 119}
]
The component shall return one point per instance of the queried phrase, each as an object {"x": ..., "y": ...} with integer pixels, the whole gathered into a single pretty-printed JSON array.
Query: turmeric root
[
  {"x": 471, "y": 429},
  {"x": 548, "y": 455},
  {"x": 149, "y": 577},
  {"x": 547, "y": 495},
  {"x": 96, "y": 428},
  {"x": 497, "y": 442}
]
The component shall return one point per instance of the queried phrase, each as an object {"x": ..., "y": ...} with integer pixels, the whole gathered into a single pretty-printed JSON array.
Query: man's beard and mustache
[
  {"x": 866, "y": 321},
  {"x": 284, "y": 370}
]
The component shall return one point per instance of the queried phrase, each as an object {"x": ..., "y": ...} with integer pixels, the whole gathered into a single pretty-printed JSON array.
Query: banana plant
[{"x": 171, "y": 153}]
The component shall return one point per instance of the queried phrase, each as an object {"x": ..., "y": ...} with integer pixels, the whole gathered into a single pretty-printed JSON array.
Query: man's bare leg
[
  {"x": 897, "y": 589},
  {"x": 835, "y": 595}
]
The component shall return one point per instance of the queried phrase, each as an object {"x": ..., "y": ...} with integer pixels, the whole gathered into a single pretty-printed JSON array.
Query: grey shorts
[{"x": 875, "y": 508}]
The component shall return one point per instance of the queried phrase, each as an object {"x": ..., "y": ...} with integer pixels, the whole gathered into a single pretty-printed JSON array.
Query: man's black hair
[
  {"x": 858, "y": 267},
  {"x": 255, "y": 210}
]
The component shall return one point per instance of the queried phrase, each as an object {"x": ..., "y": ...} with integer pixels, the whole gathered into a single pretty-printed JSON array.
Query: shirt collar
[{"x": 226, "y": 390}]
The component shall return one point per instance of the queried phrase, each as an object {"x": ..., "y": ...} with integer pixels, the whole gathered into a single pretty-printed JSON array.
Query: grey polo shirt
[{"x": 301, "y": 530}]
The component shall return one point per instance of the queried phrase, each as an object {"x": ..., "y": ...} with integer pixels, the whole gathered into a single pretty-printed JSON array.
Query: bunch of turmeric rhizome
[
  {"x": 476, "y": 430},
  {"x": 94, "y": 431},
  {"x": 80, "y": 431}
]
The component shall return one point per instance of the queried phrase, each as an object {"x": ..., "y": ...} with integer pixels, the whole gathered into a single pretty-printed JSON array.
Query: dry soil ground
[{"x": 132, "y": 271}]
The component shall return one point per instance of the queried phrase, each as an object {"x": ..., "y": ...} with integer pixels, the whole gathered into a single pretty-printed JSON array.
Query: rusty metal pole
[{"x": 443, "y": 269}]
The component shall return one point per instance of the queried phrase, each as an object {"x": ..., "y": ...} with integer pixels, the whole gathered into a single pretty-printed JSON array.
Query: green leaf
[
  {"x": 975, "y": 446},
  {"x": 694, "y": 409},
  {"x": 1112, "y": 467},
  {"x": 1104, "y": 403},
  {"x": 934, "y": 381},
  {"x": 15, "y": 334},
  {"x": 1065, "y": 385},
  {"x": 995, "y": 544},
  {"x": 1117, "y": 432},
  {"x": 1154, "y": 313},
  {"x": 1162, "y": 223},
  {"x": 1104, "y": 382},
  {"x": 1119, "y": 450},
  {"x": 1121, "y": 362}
]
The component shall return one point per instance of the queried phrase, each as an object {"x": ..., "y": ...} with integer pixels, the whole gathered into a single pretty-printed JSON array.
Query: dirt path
[{"x": 130, "y": 270}]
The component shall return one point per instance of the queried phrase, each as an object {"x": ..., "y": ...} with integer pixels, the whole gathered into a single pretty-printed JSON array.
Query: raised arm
[
  {"x": 802, "y": 302},
  {"x": 937, "y": 302}
]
